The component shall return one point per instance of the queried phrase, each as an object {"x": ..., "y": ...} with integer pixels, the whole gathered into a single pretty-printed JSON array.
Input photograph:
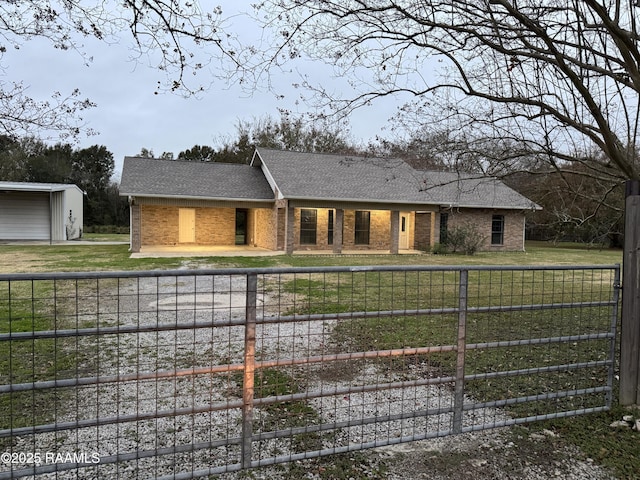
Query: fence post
[
  {"x": 630, "y": 326},
  {"x": 615, "y": 311},
  {"x": 249, "y": 369},
  {"x": 458, "y": 402}
]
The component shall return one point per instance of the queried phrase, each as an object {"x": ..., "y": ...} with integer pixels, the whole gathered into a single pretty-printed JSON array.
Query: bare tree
[
  {"x": 176, "y": 37},
  {"x": 558, "y": 77},
  {"x": 296, "y": 133}
]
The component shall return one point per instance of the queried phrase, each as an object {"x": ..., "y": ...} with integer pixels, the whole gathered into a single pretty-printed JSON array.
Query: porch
[{"x": 167, "y": 251}]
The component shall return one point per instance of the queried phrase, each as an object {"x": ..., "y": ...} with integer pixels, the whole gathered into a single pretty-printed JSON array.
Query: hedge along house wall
[{"x": 480, "y": 221}]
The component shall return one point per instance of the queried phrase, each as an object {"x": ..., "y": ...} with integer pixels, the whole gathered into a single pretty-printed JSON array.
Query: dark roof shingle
[
  {"x": 316, "y": 176},
  {"x": 176, "y": 178},
  {"x": 356, "y": 178}
]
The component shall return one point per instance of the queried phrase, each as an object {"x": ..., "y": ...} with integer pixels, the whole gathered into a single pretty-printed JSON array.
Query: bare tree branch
[
  {"x": 562, "y": 75},
  {"x": 173, "y": 36}
]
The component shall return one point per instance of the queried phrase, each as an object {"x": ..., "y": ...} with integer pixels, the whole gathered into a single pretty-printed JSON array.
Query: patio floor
[{"x": 160, "y": 251}]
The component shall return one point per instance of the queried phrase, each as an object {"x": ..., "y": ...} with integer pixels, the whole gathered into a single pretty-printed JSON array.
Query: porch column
[
  {"x": 395, "y": 231},
  {"x": 135, "y": 227},
  {"x": 290, "y": 228},
  {"x": 337, "y": 231},
  {"x": 435, "y": 227}
]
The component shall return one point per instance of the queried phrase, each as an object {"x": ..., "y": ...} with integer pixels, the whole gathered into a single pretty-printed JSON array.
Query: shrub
[
  {"x": 106, "y": 229},
  {"x": 463, "y": 239},
  {"x": 439, "y": 249}
]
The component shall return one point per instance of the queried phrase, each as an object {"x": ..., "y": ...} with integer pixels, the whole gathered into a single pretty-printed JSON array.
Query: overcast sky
[{"x": 129, "y": 116}]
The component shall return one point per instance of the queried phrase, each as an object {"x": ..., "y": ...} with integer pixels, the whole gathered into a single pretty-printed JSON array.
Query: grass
[
  {"x": 615, "y": 449},
  {"x": 25, "y": 361},
  {"x": 100, "y": 256},
  {"x": 77, "y": 258},
  {"x": 106, "y": 237},
  {"x": 282, "y": 415}
]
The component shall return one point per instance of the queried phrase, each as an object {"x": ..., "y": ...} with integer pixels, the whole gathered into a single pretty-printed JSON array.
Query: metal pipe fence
[{"x": 184, "y": 374}]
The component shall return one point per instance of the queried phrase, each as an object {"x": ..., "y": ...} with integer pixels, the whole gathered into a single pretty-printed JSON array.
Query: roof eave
[
  {"x": 358, "y": 200},
  {"x": 197, "y": 197},
  {"x": 412, "y": 202},
  {"x": 495, "y": 207},
  {"x": 44, "y": 188}
]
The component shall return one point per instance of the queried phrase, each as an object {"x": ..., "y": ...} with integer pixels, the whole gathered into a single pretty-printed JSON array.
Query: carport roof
[
  {"x": 151, "y": 177},
  {"x": 35, "y": 187}
]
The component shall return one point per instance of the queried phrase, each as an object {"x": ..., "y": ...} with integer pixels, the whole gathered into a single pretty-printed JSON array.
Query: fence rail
[{"x": 183, "y": 374}]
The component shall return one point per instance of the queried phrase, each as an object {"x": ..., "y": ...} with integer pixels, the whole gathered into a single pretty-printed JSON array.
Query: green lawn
[{"x": 100, "y": 256}]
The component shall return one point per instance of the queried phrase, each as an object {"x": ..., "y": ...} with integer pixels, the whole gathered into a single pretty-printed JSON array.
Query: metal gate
[{"x": 181, "y": 374}]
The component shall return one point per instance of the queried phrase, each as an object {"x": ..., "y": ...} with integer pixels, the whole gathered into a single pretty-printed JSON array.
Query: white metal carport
[{"x": 40, "y": 211}]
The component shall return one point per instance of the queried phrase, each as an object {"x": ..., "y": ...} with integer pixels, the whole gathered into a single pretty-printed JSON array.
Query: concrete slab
[
  {"x": 60, "y": 242},
  {"x": 164, "y": 251}
]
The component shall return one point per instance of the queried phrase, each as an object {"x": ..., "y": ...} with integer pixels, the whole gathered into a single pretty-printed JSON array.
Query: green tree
[
  {"x": 576, "y": 206},
  {"x": 296, "y": 133},
  {"x": 92, "y": 169},
  {"x": 31, "y": 160},
  {"x": 13, "y": 160},
  {"x": 198, "y": 153},
  {"x": 50, "y": 164},
  {"x": 287, "y": 133},
  {"x": 145, "y": 153},
  {"x": 239, "y": 150}
]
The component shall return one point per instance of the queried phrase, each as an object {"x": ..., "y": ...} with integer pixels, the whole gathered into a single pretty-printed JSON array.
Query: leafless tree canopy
[
  {"x": 560, "y": 77},
  {"x": 174, "y": 36}
]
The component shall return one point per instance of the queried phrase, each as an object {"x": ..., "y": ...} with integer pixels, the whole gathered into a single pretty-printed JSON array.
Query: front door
[
  {"x": 404, "y": 231},
  {"x": 241, "y": 227},
  {"x": 187, "y": 225}
]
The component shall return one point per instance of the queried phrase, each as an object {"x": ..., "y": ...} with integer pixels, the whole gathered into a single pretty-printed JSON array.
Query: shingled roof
[
  {"x": 151, "y": 177},
  {"x": 366, "y": 179},
  {"x": 314, "y": 176}
]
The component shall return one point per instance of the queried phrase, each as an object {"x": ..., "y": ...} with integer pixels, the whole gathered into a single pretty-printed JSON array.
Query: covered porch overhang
[
  {"x": 165, "y": 224},
  {"x": 396, "y": 226}
]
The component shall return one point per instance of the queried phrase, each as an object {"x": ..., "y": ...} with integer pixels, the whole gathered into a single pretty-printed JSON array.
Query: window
[
  {"x": 308, "y": 224},
  {"x": 444, "y": 226},
  {"x": 497, "y": 230},
  {"x": 330, "y": 228},
  {"x": 363, "y": 222}
]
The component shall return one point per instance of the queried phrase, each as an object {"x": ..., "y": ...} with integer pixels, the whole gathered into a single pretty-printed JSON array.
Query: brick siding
[
  {"x": 481, "y": 219},
  {"x": 379, "y": 232},
  {"x": 264, "y": 221},
  {"x": 422, "y": 231},
  {"x": 158, "y": 225},
  {"x": 214, "y": 226}
]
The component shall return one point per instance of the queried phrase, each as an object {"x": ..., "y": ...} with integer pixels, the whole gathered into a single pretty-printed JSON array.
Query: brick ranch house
[{"x": 292, "y": 201}]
